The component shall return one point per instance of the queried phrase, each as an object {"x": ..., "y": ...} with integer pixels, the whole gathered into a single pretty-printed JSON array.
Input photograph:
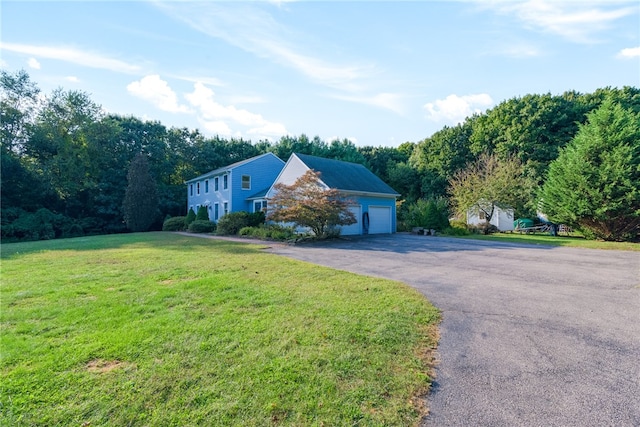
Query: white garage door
[
  {"x": 353, "y": 229},
  {"x": 379, "y": 220}
]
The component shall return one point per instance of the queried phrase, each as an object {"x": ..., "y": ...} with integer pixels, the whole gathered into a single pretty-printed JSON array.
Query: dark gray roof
[
  {"x": 346, "y": 176},
  {"x": 260, "y": 194}
]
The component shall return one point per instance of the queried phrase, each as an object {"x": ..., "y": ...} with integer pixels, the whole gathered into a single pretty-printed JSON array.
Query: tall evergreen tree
[
  {"x": 140, "y": 204},
  {"x": 595, "y": 182}
]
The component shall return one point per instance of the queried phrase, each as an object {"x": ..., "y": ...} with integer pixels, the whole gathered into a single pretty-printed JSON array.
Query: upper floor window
[
  {"x": 191, "y": 189},
  {"x": 215, "y": 184},
  {"x": 225, "y": 182},
  {"x": 198, "y": 188},
  {"x": 246, "y": 182},
  {"x": 206, "y": 186}
]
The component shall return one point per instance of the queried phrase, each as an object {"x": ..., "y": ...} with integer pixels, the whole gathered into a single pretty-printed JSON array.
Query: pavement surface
[{"x": 531, "y": 335}]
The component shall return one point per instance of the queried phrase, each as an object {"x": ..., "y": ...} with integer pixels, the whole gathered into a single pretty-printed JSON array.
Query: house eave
[{"x": 369, "y": 193}]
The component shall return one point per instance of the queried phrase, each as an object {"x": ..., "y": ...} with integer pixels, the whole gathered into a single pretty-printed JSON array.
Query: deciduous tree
[
  {"x": 489, "y": 183},
  {"x": 307, "y": 203}
]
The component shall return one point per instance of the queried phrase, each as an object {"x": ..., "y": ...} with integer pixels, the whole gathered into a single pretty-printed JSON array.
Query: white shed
[{"x": 502, "y": 218}]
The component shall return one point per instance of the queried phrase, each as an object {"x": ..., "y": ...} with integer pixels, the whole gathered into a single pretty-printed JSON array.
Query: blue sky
[{"x": 378, "y": 73}]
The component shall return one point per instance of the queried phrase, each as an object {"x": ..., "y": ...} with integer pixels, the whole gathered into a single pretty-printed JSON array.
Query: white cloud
[
  {"x": 630, "y": 52},
  {"x": 216, "y": 127},
  {"x": 255, "y": 31},
  {"x": 155, "y": 90},
  {"x": 454, "y": 108},
  {"x": 388, "y": 101},
  {"x": 75, "y": 56},
  {"x": 72, "y": 79},
  {"x": 33, "y": 63},
  {"x": 577, "y": 21},
  {"x": 214, "y": 115}
]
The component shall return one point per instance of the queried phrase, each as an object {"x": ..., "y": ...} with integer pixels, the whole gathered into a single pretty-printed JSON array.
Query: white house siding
[{"x": 293, "y": 170}]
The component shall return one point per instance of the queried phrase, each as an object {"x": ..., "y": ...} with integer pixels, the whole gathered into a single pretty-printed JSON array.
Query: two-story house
[{"x": 241, "y": 186}]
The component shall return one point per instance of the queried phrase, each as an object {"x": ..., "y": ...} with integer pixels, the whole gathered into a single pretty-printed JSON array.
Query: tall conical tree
[
  {"x": 594, "y": 184},
  {"x": 140, "y": 204}
]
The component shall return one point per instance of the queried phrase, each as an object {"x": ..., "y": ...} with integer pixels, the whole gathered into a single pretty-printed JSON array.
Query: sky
[{"x": 377, "y": 73}]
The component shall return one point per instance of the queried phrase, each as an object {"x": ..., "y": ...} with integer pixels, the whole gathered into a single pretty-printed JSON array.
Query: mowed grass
[
  {"x": 160, "y": 329},
  {"x": 548, "y": 240}
]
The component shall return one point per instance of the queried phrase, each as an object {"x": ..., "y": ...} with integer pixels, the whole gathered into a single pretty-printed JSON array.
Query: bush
[
  {"x": 233, "y": 222},
  {"x": 456, "y": 231},
  {"x": 199, "y": 226},
  {"x": 43, "y": 224},
  {"x": 256, "y": 219},
  {"x": 74, "y": 230},
  {"x": 177, "y": 223},
  {"x": 191, "y": 216},
  {"x": 203, "y": 214},
  {"x": 430, "y": 214},
  {"x": 271, "y": 232}
]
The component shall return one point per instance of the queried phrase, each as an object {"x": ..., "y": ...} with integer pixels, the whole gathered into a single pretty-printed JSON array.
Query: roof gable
[{"x": 346, "y": 176}]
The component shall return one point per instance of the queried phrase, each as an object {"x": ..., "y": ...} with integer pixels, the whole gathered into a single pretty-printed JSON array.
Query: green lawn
[
  {"x": 160, "y": 329},
  {"x": 546, "y": 239}
]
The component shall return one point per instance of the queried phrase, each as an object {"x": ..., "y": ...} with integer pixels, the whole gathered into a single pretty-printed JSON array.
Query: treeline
[{"x": 64, "y": 162}]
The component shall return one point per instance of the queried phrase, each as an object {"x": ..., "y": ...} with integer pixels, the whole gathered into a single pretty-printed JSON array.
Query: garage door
[
  {"x": 379, "y": 220},
  {"x": 353, "y": 229}
]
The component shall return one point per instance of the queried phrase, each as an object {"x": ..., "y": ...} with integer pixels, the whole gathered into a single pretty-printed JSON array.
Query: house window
[
  {"x": 216, "y": 211},
  {"x": 225, "y": 182},
  {"x": 226, "y": 207},
  {"x": 215, "y": 184},
  {"x": 246, "y": 182},
  {"x": 191, "y": 189},
  {"x": 260, "y": 205},
  {"x": 198, "y": 189},
  {"x": 206, "y": 186},
  {"x": 482, "y": 215}
]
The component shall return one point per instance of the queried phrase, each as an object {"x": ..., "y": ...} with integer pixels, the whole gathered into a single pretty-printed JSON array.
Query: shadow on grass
[{"x": 169, "y": 241}]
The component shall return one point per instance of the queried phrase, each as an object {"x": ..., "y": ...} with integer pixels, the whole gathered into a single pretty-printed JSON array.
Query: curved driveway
[{"x": 531, "y": 335}]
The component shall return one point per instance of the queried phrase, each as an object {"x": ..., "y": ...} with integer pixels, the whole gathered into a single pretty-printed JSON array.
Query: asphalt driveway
[{"x": 531, "y": 335}]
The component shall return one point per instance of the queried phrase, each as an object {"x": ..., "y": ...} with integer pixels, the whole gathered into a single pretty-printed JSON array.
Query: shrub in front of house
[
  {"x": 177, "y": 223},
  {"x": 203, "y": 214},
  {"x": 270, "y": 232},
  {"x": 199, "y": 226},
  {"x": 191, "y": 216},
  {"x": 233, "y": 222}
]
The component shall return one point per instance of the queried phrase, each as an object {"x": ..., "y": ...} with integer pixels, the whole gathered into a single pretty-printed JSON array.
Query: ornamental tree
[
  {"x": 594, "y": 184},
  {"x": 307, "y": 203}
]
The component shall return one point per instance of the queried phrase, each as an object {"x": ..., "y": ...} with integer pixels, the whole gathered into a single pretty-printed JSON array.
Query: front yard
[{"x": 161, "y": 329}]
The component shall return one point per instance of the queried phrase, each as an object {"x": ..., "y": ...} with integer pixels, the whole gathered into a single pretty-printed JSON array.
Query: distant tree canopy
[{"x": 60, "y": 152}]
